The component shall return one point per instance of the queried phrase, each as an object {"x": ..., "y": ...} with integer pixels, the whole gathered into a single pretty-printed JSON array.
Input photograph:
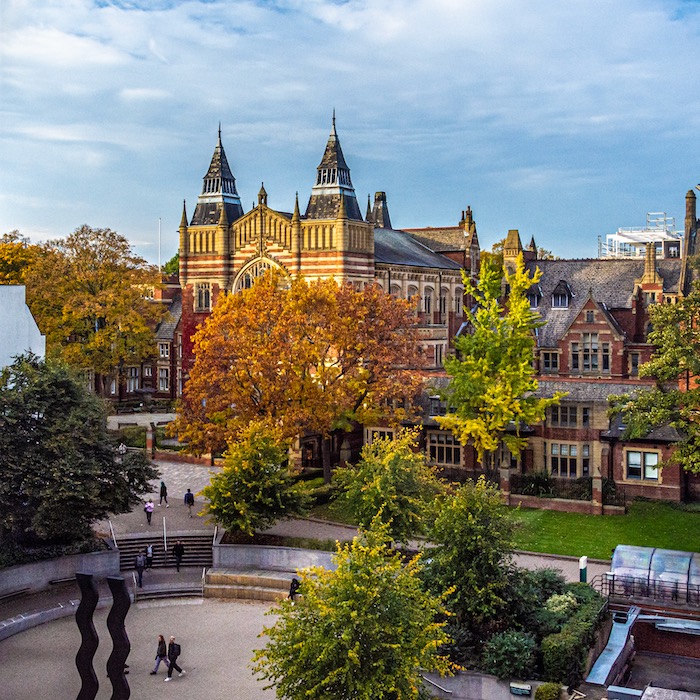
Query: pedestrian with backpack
[
  {"x": 140, "y": 565},
  {"x": 174, "y": 651}
]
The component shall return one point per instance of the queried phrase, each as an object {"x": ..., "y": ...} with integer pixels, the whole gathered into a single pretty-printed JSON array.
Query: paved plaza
[{"x": 217, "y": 639}]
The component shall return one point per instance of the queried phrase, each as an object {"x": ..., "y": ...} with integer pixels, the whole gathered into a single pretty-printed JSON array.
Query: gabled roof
[
  {"x": 441, "y": 240},
  {"x": 166, "y": 328},
  {"x": 610, "y": 282},
  {"x": 400, "y": 248}
]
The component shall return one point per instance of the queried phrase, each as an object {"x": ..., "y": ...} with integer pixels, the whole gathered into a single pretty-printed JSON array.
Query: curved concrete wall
[
  {"x": 38, "y": 575},
  {"x": 245, "y": 556}
]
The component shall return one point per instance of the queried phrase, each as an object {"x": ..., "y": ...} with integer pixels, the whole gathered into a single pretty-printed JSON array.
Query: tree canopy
[
  {"x": 675, "y": 365},
  {"x": 393, "y": 483},
  {"x": 492, "y": 393},
  {"x": 17, "y": 255},
  {"x": 303, "y": 357},
  {"x": 255, "y": 487},
  {"x": 59, "y": 471},
  {"x": 90, "y": 294},
  {"x": 363, "y": 631},
  {"x": 473, "y": 534}
]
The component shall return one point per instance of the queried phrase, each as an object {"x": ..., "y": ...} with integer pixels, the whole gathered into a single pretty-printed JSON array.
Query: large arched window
[{"x": 248, "y": 274}]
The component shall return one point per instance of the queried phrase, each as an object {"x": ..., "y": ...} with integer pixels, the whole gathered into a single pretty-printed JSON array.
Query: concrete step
[
  {"x": 244, "y": 592},
  {"x": 245, "y": 578}
]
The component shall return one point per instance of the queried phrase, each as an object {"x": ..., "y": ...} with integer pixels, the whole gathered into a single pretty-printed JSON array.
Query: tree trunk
[{"x": 326, "y": 458}]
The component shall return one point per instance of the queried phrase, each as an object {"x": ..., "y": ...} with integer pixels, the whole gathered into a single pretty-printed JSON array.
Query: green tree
[
  {"x": 393, "y": 482},
  {"x": 363, "y": 631},
  {"x": 510, "y": 654},
  {"x": 473, "y": 534},
  {"x": 255, "y": 487},
  {"x": 90, "y": 296},
  {"x": 172, "y": 267},
  {"x": 59, "y": 471},
  {"x": 675, "y": 365},
  {"x": 492, "y": 393}
]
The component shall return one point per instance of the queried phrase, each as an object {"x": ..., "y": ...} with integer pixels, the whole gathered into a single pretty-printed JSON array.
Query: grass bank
[{"x": 647, "y": 524}]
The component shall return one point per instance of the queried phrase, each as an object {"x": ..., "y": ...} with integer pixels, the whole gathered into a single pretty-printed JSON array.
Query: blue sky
[{"x": 565, "y": 120}]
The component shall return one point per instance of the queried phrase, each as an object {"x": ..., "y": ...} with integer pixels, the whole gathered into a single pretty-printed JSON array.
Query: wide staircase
[
  {"x": 241, "y": 584},
  {"x": 198, "y": 550}
]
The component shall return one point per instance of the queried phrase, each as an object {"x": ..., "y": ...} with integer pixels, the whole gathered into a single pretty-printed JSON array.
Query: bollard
[{"x": 583, "y": 569}]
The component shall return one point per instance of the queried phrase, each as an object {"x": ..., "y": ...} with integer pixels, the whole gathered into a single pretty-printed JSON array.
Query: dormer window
[
  {"x": 534, "y": 295},
  {"x": 560, "y": 301},
  {"x": 561, "y": 296}
]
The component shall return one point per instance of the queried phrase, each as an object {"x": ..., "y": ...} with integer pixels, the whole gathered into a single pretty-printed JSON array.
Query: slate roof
[
  {"x": 596, "y": 390},
  {"x": 393, "y": 247},
  {"x": 166, "y": 328},
  {"x": 440, "y": 240},
  {"x": 611, "y": 283}
]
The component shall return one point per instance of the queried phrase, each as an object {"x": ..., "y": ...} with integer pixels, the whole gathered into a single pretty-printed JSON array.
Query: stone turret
[{"x": 332, "y": 181}]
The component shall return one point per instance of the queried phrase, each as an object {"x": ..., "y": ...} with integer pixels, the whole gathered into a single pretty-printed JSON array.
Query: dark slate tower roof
[
  {"x": 218, "y": 189},
  {"x": 332, "y": 180},
  {"x": 380, "y": 212}
]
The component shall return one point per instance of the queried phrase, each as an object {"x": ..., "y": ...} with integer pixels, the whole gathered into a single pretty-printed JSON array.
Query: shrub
[
  {"x": 562, "y": 604},
  {"x": 548, "y": 691},
  {"x": 510, "y": 654},
  {"x": 564, "y": 653}
]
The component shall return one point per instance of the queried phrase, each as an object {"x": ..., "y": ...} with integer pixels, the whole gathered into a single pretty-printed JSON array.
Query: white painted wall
[{"x": 18, "y": 330}]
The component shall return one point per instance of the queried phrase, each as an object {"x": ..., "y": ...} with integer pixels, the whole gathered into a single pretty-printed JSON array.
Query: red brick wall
[{"x": 648, "y": 638}]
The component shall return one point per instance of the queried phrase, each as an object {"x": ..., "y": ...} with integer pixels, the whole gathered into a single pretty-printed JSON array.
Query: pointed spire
[
  {"x": 342, "y": 208},
  {"x": 296, "y": 216},
  {"x": 218, "y": 189},
  {"x": 532, "y": 246},
  {"x": 223, "y": 219},
  {"x": 332, "y": 179},
  {"x": 183, "y": 220},
  {"x": 368, "y": 215},
  {"x": 262, "y": 195}
]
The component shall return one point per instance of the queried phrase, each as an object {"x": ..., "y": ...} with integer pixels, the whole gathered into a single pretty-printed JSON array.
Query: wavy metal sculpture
[
  {"x": 120, "y": 640},
  {"x": 83, "y": 617}
]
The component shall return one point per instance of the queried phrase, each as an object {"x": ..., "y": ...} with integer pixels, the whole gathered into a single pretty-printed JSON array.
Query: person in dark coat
[
  {"x": 173, "y": 653},
  {"x": 294, "y": 588},
  {"x": 178, "y": 553},
  {"x": 161, "y": 654},
  {"x": 189, "y": 501},
  {"x": 140, "y": 565},
  {"x": 163, "y": 494}
]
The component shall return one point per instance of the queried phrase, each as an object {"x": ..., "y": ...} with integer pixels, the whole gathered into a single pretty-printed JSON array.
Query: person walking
[
  {"x": 163, "y": 494},
  {"x": 149, "y": 556},
  {"x": 178, "y": 553},
  {"x": 161, "y": 654},
  {"x": 173, "y": 652},
  {"x": 140, "y": 565},
  {"x": 148, "y": 508},
  {"x": 189, "y": 501}
]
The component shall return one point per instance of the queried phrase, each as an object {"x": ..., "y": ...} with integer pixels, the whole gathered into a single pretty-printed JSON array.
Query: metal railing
[
  {"x": 114, "y": 538},
  {"x": 617, "y": 586}
]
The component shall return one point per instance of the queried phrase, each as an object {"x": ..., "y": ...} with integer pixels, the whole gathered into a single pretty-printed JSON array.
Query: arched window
[
  {"x": 247, "y": 276},
  {"x": 203, "y": 298}
]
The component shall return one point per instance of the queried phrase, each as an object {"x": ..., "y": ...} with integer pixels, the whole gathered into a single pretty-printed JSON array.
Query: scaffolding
[{"x": 631, "y": 242}]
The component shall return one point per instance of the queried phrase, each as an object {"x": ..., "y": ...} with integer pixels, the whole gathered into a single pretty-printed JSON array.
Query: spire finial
[
  {"x": 219, "y": 132},
  {"x": 333, "y": 130},
  {"x": 183, "y": 220}
]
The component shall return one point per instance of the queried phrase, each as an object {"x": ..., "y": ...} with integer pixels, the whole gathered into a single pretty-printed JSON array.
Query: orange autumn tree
[{"x": 303, "y": 357}]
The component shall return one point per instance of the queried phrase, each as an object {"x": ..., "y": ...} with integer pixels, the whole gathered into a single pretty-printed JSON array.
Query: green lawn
[{"x": 647, "y": 523}]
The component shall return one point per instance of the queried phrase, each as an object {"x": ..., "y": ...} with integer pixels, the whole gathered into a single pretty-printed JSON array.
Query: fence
[{"x": 636, "y": 588}]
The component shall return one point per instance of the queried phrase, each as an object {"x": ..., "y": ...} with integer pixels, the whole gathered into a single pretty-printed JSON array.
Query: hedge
[{"x": 548, "y": 691}]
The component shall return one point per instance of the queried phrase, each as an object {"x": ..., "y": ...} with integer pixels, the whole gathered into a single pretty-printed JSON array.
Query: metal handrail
[
  {"x": 204, "y": 576},
  {"x": 437, "y": 685},
  {"x": 165, "y": 537},
  {"x": 216, "y": 530},
  {"x": 114, "y": 539}
]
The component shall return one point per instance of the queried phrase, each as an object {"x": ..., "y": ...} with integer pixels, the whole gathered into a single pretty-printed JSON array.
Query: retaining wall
[
  {"x": 247, "y": 556},
  {"x": 38, "y": 575},
  {"x": 562, "y": 504}
]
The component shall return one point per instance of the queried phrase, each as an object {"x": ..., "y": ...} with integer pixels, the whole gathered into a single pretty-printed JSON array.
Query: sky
[{"x": 564, "y": 120}]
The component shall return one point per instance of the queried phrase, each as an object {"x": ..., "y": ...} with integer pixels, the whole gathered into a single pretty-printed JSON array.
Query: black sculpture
[
  {"x": 88, "y": 647},
  {"x": 120, "y": 641}
]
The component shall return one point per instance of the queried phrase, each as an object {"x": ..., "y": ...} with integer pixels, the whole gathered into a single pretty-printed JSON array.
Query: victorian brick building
[{"x": 591, "y": 346}]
